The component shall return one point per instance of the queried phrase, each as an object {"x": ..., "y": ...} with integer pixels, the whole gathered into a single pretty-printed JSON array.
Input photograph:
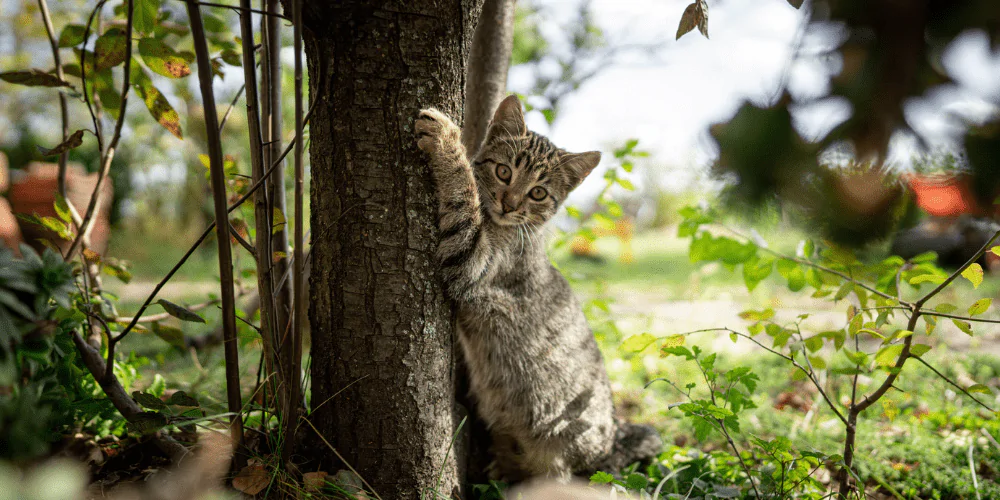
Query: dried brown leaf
[
  {"x": 252, "y": 479},
  {"x": 314, "y": 481},
  {"x": 688, "y": 20},
  {"x": 703, "y": 17},
  {"x": 71, "y": 142}
]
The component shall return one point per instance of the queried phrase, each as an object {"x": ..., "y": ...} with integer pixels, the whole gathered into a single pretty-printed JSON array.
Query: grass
[{"x": 921, "y": 452}]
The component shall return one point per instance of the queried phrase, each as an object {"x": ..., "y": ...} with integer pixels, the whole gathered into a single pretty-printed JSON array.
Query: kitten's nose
[{"x": 505, "y": 201}]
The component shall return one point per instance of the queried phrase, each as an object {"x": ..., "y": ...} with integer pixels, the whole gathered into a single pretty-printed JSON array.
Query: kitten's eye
[
  {"x": 538, "y": 193},
  {"x": 503, "y": 173}
]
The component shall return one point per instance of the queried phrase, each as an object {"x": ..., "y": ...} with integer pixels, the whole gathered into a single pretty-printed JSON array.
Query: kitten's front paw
[{"x": 436, "y": 132}]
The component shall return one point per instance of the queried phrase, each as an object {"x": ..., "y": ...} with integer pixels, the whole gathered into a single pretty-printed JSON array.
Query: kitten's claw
[{"x": 435, "y": 131}]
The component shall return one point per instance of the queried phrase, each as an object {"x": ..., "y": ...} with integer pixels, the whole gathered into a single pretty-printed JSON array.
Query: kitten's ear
[
  {"x": 578, "y": 165},
  {"x": 508, "y": 118}
]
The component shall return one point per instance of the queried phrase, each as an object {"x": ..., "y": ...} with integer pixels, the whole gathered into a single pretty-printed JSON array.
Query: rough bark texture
[
  {"x": 381, "y": 328},
  {"x": 488, "y": 63}
]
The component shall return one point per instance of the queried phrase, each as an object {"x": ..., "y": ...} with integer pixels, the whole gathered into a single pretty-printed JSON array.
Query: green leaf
[
  {"x": 601, "y": 478},
  {"x": 996, "y": 250},
  {"x": 901, "y": 334},
  {"x": 857, "y": 357},
  {"x": 148, "y": 400},
  {"x": 162, "y": 59},
  {"x": 147, "y": 422},
  {"x": 110, "y": 49},
  {"x": 626, "y": 184},
  {"x": 181, "y": 398},
  {"x": 71, "y": 35},
  {"x": 965, "y": 326},
  {"x": 157, "y": 104},
  {"x": 888, "y": 355},
  {"x": 930, "y": 323},
  {"x": 814, "y": 343},
  {"x": 33, "y": 78},
  {"x": 919, "y": 349},
  {"x": 756, "y": 269},
  {"x": 932, "y": 278},
  {"x": 762, "y": 315},
  {"x": 855, "y": 325},
  {"x": 636, "y": 482},
  {"x": 979, "y": 388},
  {"x": 808, "y": 248},
  {"x": 946, "y": 308},
  {"x": 118, "y": 270},
  {"x": 974, "y": 273},
  {"x": 792, "y": 272},
  {"x": 843, "y": 291},
  {"x": 638, "y": 343},
  {"x": 62, "y": 209},
  {"x": 232, "y": 58},
  {"x": 169, "y": 334},
  {"x": 179, "y": 312},
  {"x": 980, "y": 306},
  {"x": 145, "y": 15},
  {"x": 71, "y": 142},
  {"x": 924, "y": 257}
]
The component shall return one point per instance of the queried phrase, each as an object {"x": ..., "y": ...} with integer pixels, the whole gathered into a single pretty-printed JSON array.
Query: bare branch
[
  {"x": 298, "y": 297},
  {"x": 218, "y": 177}
]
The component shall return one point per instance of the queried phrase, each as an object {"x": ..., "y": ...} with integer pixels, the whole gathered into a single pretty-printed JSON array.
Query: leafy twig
[
  {"x": 43, "y": 7},
  {"x": 972, "y": 260},
  {"x": 953, "y": 383},
  {"x": 109, "y": 154}
]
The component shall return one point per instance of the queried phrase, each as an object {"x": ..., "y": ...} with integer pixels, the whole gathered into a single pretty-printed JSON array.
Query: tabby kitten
[{"x": 536, "y": 373}]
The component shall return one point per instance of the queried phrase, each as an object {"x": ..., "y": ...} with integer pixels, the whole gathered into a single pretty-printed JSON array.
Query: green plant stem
[
  {"x": 808, "y": 373},
  {"x": 722, "y": 427}
]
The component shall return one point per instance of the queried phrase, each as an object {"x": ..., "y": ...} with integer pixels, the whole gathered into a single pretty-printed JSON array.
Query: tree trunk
[
  {"x": 488, "y": 64},
  {"x": 382, "y": 337}
]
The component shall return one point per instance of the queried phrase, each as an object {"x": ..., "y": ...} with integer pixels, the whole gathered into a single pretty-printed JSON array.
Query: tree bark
[
  {"x": 382, "y": 336},
  {"x": 487, "y": 74}
]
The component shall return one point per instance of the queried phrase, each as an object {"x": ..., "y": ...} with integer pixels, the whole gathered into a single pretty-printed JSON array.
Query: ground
[{"x": 659, "y": 291}]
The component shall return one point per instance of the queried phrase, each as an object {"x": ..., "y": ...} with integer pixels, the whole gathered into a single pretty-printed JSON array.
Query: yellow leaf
[{"x": 974, "y": 274}]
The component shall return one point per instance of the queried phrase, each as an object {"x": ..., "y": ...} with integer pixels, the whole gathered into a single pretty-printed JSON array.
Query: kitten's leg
[{"x": 460, "y": 218}]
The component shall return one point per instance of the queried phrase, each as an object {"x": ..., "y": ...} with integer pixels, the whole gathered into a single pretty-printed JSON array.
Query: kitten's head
[{"x": 522, "y": 177}]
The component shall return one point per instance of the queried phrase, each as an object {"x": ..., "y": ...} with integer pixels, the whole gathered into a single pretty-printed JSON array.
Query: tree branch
[
  {"x": 218, "y": 177},
  {"x": 486, "y": 81},
  {"x": 953, "y": 383},
  {"x": 959, "y": 271},
  {"x": 298, "y": 298}
]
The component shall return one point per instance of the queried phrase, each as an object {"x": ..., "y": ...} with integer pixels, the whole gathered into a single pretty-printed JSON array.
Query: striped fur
[{"x": 536, "y": 372}]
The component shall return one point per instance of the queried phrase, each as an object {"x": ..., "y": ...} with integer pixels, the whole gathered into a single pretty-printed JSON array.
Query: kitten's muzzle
[{"x": 507, "y": 204}]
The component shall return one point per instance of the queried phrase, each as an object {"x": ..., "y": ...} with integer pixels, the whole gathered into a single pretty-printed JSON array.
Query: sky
[{"x": 668, "y": 99}]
